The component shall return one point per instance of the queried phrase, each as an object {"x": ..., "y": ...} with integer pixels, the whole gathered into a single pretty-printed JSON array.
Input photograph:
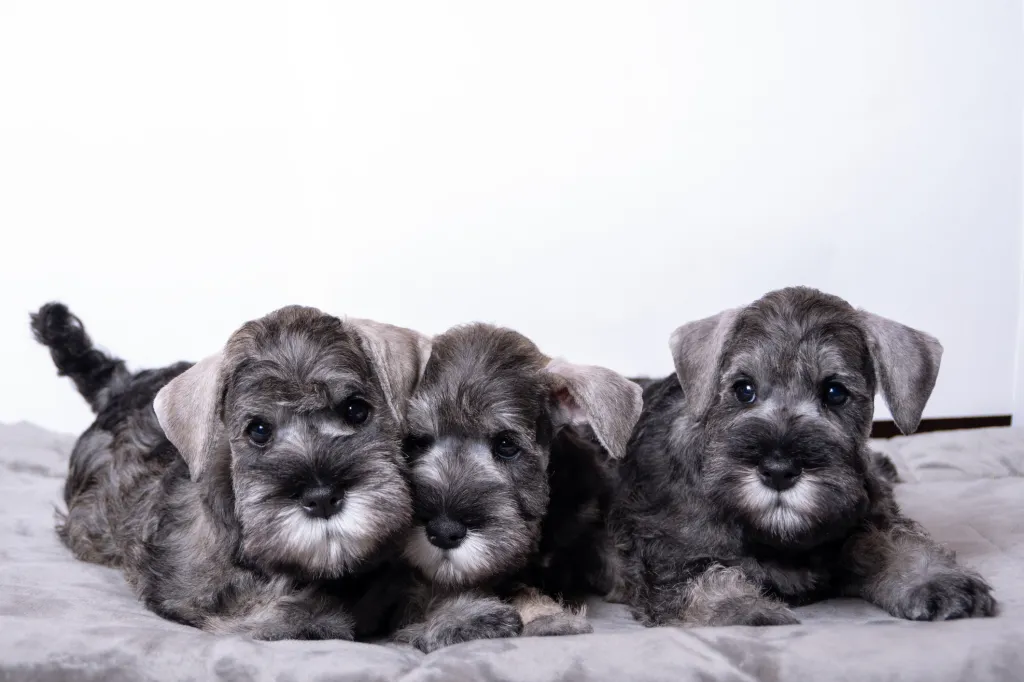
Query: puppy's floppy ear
[
  {"x": 697, "y": 352},
  {"x": 906, "y": 364},
  {"x": 607, "y": 401},
  {"x": 399, "y": 356},
  {"x": 188, "y": 410}
]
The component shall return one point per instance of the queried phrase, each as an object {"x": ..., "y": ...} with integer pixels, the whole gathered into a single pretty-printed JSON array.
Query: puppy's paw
[
  {"x": 493, "y": 623},
  {"x": 322, "y": 627},
  {"x": 319, "y": 630},
  {"x": 557, "y": 624},
  {"x": 763, "y": 615},
  {"x": 945, "y": 596},
  {"x": 744, "y": 611}
]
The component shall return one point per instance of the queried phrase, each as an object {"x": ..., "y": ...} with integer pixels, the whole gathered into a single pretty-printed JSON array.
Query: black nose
[
  {"x": 779, "y": 474},
  {"x": 445, "y": 532},
  {"x": 321, "y": 502}
]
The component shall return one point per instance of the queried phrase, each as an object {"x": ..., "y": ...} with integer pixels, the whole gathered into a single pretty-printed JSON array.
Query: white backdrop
[{"x": 591, "y": 174}]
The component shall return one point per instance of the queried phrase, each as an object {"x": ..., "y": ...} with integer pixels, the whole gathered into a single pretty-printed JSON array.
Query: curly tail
[{"x": 96, "y": 374}]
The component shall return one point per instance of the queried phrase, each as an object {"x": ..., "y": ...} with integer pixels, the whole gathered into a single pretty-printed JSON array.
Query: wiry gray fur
[
  {"x": 533, "y": 520},
  {"x": 207, "y": 526},
  {"x": 704, "y": 540}
]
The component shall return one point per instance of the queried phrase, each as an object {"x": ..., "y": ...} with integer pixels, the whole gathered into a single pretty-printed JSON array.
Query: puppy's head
[
  {"x": 782, "y": 392},
  {"x": 481, "y": 424},
  {"x": 295, "y": 428}
]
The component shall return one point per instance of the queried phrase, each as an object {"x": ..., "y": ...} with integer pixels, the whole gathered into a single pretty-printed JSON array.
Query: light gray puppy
[
  {"x": 749, "y": 483},
  {"x": 260, "y": 491},
  {"x": 509, "y": 500}
]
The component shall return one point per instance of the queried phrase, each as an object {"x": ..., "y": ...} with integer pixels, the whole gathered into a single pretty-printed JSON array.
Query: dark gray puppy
[
  {"x": 748, "y": 483},
  {"x": 259, "y": 491},
  {"x": 509, "y": 500}
]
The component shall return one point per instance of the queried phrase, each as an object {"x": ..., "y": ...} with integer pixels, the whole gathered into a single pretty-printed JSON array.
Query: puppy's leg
[
  {"x": 904, "y": 571},
  {"x": 461, "y": 618},
  {"x": 543, "y": 616},
  {"x": 274, "y": 612},
  {"x": 666, "y": 589},
  {"x": 725, "y": 596}
]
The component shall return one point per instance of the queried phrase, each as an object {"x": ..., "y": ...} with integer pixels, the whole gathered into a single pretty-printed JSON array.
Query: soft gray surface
[{"x": 61, "y": 619}]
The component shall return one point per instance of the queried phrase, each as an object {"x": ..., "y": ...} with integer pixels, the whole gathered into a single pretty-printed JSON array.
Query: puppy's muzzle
[
  {"x": 445, "y": 532},
  {"x": 779, "y": 473},
  {"x": 321, "y": 501}
]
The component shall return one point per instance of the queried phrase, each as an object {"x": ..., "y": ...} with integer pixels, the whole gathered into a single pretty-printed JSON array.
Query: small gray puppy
[
  {"x": 260, "y": 491},
  {"x": 748, "y": 483},
  {"x": 509, "y": 500}
]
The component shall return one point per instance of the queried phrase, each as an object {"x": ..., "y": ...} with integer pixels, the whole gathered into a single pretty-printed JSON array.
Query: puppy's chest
[
  {"x": 376, "y": 599},
  {"x": 795, "y": 578}
]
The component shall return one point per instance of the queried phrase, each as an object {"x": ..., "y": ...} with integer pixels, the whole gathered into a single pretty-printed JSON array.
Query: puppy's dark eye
[
  {"x": 355, "y": 411},
  {"x": 415, "y": 445},
  {"x": 505, "y": 446},
  {"x": 745, "y": 391},
  {"x": 835, "y": 394},
  {"x": 259, "y": 431}
]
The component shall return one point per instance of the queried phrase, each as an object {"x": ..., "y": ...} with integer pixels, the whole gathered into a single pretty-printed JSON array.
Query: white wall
[{"x": 591, "y": 175}]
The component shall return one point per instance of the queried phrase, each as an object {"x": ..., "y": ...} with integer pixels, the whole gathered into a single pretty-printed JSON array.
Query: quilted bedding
[{"x": 61, "y": 619}]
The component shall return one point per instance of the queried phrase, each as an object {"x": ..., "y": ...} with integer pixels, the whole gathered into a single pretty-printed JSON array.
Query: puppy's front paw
[
  {"x": 757, "y": 611},
  {"x": 310, "y": 627},
  {"x": 501, "y": 621},
  {"x": 312, "y": 630},
  {"x": 324, "y": 628},
  {"x": 945, "y": 596},
  {"x": 285, "y": 624},
  {"x": 557, "y": 624},
  {"x": 761, "y": 615}
]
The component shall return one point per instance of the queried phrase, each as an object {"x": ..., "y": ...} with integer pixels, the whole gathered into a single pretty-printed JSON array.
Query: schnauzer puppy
[
  {"x": 509, "y": 500},
  {"x": 748, "y": 483},
  {"x": 259, "y": 491}
]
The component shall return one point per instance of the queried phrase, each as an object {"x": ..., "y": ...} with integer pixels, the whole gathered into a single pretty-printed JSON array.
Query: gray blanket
[{"x": 61, "y": 619}]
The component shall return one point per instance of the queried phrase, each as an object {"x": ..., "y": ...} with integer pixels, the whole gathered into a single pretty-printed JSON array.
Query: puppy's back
[
  {"x": 647, "y": 455},
  {"x": 124, "y": 444}
]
